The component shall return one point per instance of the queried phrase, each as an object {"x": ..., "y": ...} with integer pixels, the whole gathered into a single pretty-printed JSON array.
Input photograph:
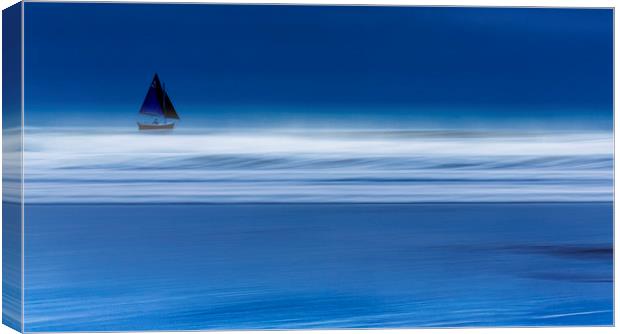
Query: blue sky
[{"x": 242, "y": 64}]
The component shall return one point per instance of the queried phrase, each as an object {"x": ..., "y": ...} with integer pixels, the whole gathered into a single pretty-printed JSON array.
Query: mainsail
[{"x": 157, "y": 102}]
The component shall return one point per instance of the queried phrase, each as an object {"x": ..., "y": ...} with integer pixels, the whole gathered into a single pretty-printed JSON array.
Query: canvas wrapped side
[{"x": 12, "y": 163}]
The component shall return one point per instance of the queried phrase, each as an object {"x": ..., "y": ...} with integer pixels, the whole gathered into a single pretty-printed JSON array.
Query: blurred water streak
[
  {"x": 243, "y": 266},
  {"x": 341, "y": 166}
]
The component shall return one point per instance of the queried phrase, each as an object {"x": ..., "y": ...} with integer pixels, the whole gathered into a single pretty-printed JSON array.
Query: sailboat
[{"x": 157, "y": 104}]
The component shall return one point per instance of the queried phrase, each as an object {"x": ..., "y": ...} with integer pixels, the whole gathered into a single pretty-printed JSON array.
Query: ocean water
[
  {"x": 272, "y": 266},
  {"x": 102, "y": 165},
  {"x": 329, "y": 228}
]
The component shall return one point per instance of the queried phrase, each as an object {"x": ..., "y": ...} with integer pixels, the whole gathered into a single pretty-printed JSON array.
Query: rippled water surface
[
  {"x": 233, "y": 266},
  {"x": 284, "y": 228}
]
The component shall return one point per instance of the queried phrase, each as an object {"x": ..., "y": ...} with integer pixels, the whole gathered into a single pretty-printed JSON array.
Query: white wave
[
  {"x": 11, "y": 165},
  {"x": 69, "y": 166}
]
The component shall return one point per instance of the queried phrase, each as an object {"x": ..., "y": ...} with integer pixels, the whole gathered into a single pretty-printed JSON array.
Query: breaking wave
[{"x": 344, "y": 166}]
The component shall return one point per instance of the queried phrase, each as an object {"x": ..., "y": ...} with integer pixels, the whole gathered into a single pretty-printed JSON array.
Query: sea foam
[{"x": 327, "y": 166}]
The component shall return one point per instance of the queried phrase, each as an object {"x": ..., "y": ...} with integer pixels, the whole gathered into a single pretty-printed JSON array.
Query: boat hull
[{"x": 142, "y": 126}]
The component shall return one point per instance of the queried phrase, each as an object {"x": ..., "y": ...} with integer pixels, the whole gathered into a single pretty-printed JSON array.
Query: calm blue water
[{"x": 232, "y": 266}]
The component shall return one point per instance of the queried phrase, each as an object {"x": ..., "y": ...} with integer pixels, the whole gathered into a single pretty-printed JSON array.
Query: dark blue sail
[
  {"x": 169, "y": 111},
  {"x": 152, "y": 102}
]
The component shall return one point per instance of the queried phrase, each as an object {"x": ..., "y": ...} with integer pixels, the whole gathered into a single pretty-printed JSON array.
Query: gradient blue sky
[{"x": 240, "y": 64}]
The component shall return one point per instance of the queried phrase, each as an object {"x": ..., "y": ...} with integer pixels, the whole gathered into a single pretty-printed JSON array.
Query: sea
[{"x": 339, "y": 229}]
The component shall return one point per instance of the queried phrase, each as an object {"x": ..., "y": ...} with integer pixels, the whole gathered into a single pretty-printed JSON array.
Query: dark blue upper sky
[{"x": 255, "y": 63}]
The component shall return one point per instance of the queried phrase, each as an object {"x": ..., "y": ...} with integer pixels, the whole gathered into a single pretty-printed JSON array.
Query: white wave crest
[{"x": 93, "y": 166}]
